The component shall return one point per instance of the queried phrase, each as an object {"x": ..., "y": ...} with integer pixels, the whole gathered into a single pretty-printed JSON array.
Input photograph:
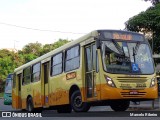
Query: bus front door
[{"x": 91, "y": 76}]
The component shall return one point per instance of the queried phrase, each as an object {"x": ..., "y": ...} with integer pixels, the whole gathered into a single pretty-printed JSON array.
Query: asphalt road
[
  {"x": 100, "y": 112},
  {"x": 147, "y": 105}
]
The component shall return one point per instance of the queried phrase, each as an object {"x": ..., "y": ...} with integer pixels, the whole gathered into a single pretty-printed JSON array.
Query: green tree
[
  {"x": 34, "y": 48},
  {"x": 154, "y": 2},
  {"x": 9, "y": 60},
  {"x": 5, "y": 52},
  {"x": 30, "y": 51},
  {"x": 6, "y": 67},
  {"x": 48, "y": 47},
  {"x": 29, "y": 57},
  {"x": 148, "y": 23}
]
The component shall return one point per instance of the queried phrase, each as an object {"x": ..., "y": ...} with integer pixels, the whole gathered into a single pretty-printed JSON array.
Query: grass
[{"x": 1, "y": 95}]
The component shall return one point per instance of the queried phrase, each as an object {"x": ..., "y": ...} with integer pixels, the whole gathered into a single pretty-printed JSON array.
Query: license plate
[{"x": 133, "y": 92}]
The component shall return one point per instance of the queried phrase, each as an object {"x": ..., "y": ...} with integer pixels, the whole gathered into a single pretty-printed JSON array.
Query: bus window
[
  {"x": 57, "y": 62},
  {"x": 8, "y": 90},
  {"x": 26, "y": 76},
  {"x": 72, "y": 59},
  {"x": 36, "y": 72},
  {"x": 8, "y": 86}
]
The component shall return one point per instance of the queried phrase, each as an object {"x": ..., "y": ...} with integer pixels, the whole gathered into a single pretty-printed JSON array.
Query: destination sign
[{"x": 122, "y": 35}]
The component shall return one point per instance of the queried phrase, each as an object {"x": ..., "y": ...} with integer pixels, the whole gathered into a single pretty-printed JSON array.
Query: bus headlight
[
  {"x": 153, "y": 82},
  {"x": 110, "y": 81}
]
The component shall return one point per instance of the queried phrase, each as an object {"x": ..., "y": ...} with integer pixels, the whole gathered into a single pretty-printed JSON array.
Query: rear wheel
[
  {"x": 30, "y": 107},
  {"x": 120, "y": 105},
  {"x": 77, "y": 104}
]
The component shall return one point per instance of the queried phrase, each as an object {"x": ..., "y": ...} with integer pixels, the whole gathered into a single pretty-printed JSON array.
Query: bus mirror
[{"x": 98, "y": 43}]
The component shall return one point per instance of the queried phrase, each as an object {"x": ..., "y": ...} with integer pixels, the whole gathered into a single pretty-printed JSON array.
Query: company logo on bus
[{"x": 70, "y": 75}]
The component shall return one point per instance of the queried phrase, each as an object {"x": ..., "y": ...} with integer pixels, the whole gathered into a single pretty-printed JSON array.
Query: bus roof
[{"x": 70, "y": 44}]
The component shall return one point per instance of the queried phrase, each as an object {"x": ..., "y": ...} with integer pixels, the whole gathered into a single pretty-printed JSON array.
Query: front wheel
[
  {"x": 120, "y": 105},
  {"x": 77, "y": 104}
]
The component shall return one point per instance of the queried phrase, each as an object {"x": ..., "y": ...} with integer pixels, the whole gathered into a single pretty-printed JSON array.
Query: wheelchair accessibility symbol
[{"x": 135, "y": 67}]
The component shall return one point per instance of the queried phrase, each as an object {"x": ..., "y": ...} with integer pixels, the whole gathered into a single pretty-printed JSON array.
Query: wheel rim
[{"x": 78, "y": 101}]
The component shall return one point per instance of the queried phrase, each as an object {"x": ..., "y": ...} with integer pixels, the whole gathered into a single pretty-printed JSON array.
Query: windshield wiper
[
  {"x": 118, "y": 47},
  {"x": 135, "y": 49}
]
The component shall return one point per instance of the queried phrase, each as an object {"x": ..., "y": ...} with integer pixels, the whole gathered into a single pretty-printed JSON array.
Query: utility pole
[{"x": 15, "y": 41}]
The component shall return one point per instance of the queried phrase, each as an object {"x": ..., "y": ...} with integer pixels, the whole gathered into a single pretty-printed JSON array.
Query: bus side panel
[
  {"x": 14, "y": 99},
  {"x": 58, "y": 92},
  {"x": 37, "y": 94},
  {"x": 59, "y": 87},
  {"x": 26, "y": 92}
]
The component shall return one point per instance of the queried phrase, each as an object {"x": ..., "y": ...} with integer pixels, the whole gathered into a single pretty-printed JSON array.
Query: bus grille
[
  {"x": 132, "y": 79},
  {"x": 127, "y": 94},
  {"x": 128, "y": 83}
]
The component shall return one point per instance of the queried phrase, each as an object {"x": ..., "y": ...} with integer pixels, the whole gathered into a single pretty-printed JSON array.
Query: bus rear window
[{"x": 8, "y": 86}]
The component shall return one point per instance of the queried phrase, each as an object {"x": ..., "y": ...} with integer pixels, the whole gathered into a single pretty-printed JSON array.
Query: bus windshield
[
  {"x": 127, "y": 57},
  {"x": 8, "y": 86}
]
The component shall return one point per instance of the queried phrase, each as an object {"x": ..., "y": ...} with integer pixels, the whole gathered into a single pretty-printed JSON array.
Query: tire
[
  {"x": 30, "y": 107},
  {"x": 77, "y": 104},
  {"x": 120, "y": 105},
  {"x": 64, "y": 109}
]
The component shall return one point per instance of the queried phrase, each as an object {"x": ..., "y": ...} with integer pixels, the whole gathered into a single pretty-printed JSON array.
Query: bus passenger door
[
  {"x": 46, "y": 74},
  {"x": 19, "y": 76},
  {"x": 91, "y": 76},
  {"x": 16, "y": 91}
]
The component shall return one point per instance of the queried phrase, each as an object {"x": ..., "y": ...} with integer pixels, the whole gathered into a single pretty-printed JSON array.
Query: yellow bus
[{"x": 104, "y": 67}]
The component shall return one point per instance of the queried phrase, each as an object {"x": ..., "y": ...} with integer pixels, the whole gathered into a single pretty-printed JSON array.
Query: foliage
[
  {"x": 154, "y": 2},
  {"x": 2, "y": 84},
  {"x": 5, "y": 52},
  {"x": 49, "y": 47},
  {"x": 148, "y": 23},
  {"x": 34, "y": 48}
]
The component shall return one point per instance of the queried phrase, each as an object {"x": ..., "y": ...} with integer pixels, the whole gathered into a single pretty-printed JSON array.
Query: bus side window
[
  {"x": 57, "y": 64},
  {"x": 36, "y": 72},
  {"x": 26, "y": 75},
  {"x": 72, "y": 58}
]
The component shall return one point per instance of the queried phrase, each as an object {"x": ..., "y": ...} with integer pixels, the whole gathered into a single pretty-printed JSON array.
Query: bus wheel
[
  {"x": 30, "y": 107},
  {"x": 120, "y": 105},
  {"x": 77, "y": 104},
  {"x": 64, "y": 109}
]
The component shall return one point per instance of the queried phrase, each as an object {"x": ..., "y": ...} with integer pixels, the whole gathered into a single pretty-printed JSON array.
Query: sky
[{"x": 45, "y": 21}]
